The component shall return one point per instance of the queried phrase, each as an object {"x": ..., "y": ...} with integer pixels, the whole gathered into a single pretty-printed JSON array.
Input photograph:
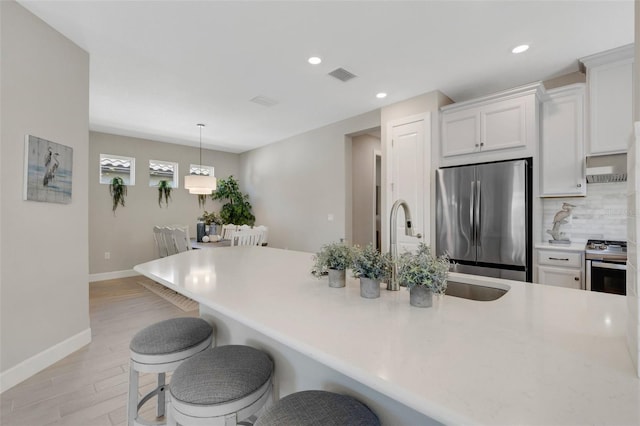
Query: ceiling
[{"x": 160, "y": 67}]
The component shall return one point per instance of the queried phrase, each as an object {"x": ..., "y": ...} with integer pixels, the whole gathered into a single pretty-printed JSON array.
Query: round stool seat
[
  {"x": 318, "y": 408},
  {"x": 170, "y": 336},
  {"x": 220, "y": 375}
]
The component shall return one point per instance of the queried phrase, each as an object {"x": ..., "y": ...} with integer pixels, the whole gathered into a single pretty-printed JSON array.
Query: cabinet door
[
  {"x": 560, "y": 277},
  {"x": 503, "y": 125},
  {"x": 460, "y": 132},
  {"x": 562, "y": 148},
  {"x": 610, "y": 107}
]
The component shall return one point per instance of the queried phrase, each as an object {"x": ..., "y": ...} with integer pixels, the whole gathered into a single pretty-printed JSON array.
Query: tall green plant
[
  {"x": 237, "y": 209},
  {"x": 118, "y": 191}
]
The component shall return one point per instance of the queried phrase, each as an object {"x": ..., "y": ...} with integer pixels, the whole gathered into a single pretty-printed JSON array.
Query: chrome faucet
[{"x": 393, "y": 283}]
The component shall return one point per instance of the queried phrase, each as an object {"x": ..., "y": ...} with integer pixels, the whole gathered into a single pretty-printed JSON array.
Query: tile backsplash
[{"x": 602, "y": 214}]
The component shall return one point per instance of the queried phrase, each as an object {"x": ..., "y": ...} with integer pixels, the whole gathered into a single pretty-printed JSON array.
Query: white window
[
  {"x": 163, "y": 170},
  {"x": 200, "y": 170},
  {"x": 112, "y": 166}
]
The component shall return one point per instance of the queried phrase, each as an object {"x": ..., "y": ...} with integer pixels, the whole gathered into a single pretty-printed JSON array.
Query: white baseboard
[
  {"x": 112, "y": 275},
  {"x": 44, "y": 359}
]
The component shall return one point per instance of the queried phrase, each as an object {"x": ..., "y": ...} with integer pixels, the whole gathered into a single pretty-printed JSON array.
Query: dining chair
[
  {"x": 228, "y": 230},
  {"x": 243, "y": 227},
  {"x": 265, "y": 234},
  {"x": 181, "y": 239},
  {"x": 158, "y": 237},
  {"x": 249, "y": 237},
  {"x": 169, "y": 241}
]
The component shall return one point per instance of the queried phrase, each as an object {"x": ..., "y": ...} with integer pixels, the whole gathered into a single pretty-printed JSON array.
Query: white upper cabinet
[
  {"x": 562, "y": 142},
  {"x": 501, "y": 126},
  {"x": 609, "y": 80}
]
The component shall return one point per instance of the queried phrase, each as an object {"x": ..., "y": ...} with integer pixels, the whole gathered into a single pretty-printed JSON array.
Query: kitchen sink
[{"x": 473, "y": 292}]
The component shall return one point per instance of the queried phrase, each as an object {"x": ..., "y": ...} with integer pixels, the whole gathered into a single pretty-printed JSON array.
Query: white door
[{"x": 408, "y": 142}]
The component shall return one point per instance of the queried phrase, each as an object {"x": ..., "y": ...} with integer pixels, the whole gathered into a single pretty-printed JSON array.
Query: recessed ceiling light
[
  {"x": 381, "y": 95},
  {"x": 314, "y": 60},
  {"x": 520, "y": 49}
]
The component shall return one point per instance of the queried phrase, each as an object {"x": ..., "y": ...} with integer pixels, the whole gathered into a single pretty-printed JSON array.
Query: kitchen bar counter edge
[{"x": 537, "y": 355}]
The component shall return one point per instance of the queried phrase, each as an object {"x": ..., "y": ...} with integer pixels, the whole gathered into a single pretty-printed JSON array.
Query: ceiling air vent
[
  {"x": 264, "y": 101},
  {"x": 342, "y": 74}
]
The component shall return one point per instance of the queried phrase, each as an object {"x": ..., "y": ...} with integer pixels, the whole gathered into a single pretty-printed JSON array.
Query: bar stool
[
  {"x": 318, "y": 408},
  {"x": 220, "y": 386},
  {"x": 160, "y": 348}
]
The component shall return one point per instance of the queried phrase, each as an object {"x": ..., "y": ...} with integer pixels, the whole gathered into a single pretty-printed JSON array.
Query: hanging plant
[
  {"x": 202, "y": 199},
  {"x": 118, "y": 190},
  {"x": 164, "y": 191}
]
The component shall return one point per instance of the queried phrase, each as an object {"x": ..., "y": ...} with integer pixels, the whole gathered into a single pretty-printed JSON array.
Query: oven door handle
[{"x": 607, "y": 265}]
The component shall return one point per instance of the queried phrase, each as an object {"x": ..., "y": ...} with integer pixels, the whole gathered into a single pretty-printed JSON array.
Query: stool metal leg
[
  {"x": 161, "y": 394},
  {"x": 132, "y": 406}
]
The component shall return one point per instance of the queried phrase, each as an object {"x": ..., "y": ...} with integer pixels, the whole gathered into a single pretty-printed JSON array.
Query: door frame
[{"x": 377, "y": 153}]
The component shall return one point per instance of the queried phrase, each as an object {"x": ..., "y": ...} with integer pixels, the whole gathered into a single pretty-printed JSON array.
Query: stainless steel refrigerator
[{"x": 483, "y": 218}]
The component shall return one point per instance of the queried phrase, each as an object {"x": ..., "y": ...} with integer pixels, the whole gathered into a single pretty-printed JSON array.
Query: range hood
[{"x": 607, "y": 168}]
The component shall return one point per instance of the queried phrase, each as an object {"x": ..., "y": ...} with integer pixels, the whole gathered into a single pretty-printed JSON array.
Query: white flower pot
[
  {"x": 369, "y": 289},
  {"x": 337, "y": 278},
  {"x": 421, "y": 297}
]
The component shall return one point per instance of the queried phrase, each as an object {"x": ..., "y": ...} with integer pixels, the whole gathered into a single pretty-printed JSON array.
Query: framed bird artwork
[{"x": 48, "y": 171}]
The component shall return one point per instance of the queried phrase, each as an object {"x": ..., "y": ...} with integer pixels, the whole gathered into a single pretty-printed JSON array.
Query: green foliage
[
  {"x": 164, "y": 191},
  {"x": 332, "y": 256},
  {"x": 422, "y": 268},
  {"x": 209, "y": 218},
  {"x": 370, "y": 263},
  {"x": 237, "y": 209},
  {"x": 118, "y": 191}
]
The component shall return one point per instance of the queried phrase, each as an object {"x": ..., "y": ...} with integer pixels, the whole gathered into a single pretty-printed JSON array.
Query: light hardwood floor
[{"x": 89, "y": 387}]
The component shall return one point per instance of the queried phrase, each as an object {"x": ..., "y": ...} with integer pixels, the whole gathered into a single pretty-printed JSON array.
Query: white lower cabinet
[
  {"x": 560, "y": 277},
  {"x": 560, "y": 268}
]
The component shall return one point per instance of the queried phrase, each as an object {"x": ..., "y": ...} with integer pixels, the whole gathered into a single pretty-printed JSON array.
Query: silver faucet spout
[{"x": 393, "y": 283}]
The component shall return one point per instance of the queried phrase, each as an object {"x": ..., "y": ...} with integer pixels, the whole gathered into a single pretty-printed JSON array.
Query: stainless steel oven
[{"x": 606, "y": 266}]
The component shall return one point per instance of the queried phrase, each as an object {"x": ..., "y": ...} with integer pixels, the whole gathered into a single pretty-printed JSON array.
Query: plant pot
[
  {"x": 421, "y": 296},
  {"x": 369, "y": 289},
  {"x": 212, "y": 229},
  {"x": 337, "y": 278}
]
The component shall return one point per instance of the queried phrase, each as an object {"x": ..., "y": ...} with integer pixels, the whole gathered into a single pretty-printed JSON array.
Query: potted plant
[
  {"x": 333, "y": 259},
  {"x": 211, "y": 220},
  {"x": 237, "y": 209},
  {"x": 423, "y": 274},
  {"x": 371, "y": 267},
  {"x": 164, "y": 191},
  {"x": 118, "y": 191}
]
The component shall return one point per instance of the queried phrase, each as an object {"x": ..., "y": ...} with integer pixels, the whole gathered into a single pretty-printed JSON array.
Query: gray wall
[
  {"x": 296, "y": 183},
  {"x": 44, "y": 264},
  {"x": 128, "y": 235},
  {"x": 362, "y": 168}
]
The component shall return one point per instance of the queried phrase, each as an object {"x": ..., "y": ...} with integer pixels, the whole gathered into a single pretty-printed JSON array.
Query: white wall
[
  {"x": 44, "y": 263},
  {"x": 362, "y": 188},
  {"x": 128, "y": 235},
  {"x": 296, "y": 183}
]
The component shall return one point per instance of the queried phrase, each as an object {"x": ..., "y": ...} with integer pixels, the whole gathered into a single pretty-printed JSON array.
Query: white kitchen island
[{"x": 539, "y": 355}]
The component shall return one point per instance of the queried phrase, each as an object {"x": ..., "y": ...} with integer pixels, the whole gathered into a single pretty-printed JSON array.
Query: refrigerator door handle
[
  {"x": 478, "y": 220},
  {"x": 472, "y": 212}
]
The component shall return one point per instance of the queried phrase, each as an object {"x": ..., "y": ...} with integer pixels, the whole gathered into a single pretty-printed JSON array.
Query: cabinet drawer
[{"x": 560, "y": 258}]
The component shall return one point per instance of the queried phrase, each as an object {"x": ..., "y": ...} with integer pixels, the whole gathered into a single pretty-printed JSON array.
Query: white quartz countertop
[
  {"x": 539, "y": 355},
  {"x": 561, "y": 247}
]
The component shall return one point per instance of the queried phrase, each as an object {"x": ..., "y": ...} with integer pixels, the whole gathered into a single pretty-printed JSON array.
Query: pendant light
[{"x": 200, "y": 184}]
